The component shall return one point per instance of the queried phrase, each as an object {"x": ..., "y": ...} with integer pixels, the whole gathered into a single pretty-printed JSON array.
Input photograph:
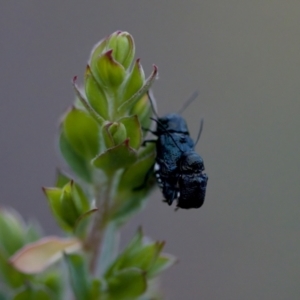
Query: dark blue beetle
[
  {"x": 178, "y": 168},
  {"x": 172, "y": 140}
]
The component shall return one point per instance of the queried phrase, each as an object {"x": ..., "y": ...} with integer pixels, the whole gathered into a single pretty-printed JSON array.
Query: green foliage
[
  {"x": 15, "y": 234},
  {"x": 82, "y": 132},
  {"x": 135, "y": 80},
  {"x": 96, "y": 95},
  {"x": 68, "y": 204},
  {"x": 79, "y": 276},
  {"x": 30, "y": 293},
  {"x": 143, "y": 255},
  {"x": 80, "y": 166},
  {"x": 128, "y": 276},
  {"x": 126, "y": 284},
  {"x": 115, "y": 158},
  {"x": 100, "y": 139}
]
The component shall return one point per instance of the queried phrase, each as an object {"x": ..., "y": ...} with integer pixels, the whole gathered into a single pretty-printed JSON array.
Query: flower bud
[
  {"x": 114, "y": 134},
  {"x": 111, "y": 58},
  {"x": 123, "y": 47},
  {"x": 108, "y": 122},
  {"x": 118, "y": 132},
  {"x": 67, "y": 204}
]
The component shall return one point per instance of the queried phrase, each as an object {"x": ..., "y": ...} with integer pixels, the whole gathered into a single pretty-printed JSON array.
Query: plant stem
[
  {"x": 95, "y": 237},
  {"x": 109, "y": 247}
]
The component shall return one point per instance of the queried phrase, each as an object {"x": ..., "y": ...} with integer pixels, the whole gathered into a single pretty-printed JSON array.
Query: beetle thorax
[{"x": 172, "y": 123}]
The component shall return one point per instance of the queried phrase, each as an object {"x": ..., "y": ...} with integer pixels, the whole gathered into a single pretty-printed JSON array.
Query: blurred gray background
[{"x": 244, "y": 59}]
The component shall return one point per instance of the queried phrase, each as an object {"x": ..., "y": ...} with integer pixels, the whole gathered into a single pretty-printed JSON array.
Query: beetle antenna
[
  {"x": 150, "y": 96},
  {"x": 166, "y": 131},
  {"x": 200, "y": 131},
  {"x": 188, "y": 102}
]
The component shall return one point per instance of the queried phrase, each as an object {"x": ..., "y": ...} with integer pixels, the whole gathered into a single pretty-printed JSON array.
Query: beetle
[
  {"x": 173, "y": 140},
  {"x": 178, "y": 168},
  {"x": 192, "y": 181}
]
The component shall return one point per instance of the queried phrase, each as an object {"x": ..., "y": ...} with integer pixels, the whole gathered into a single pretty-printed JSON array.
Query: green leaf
[
  {"x": 69, "y": 211},
  {"x": 11, "y": 231},
  {"x": 108, "y": 71},
  {"x": 163, "y": 262},
  {"x": 135, "y": 244},
  {"x": 53, "y": 196},
  {"x": 97, "y": 50},
  {"x": 96, "y": 95},
  {"x": 115, "y": 158},
  {"x": 37, "y": 256},
  {"x": 61, "y": 179},
  {"x": 3, "y": 296},
  {"x": 81, "y": 201},
  {"x": 146, "y": 150},
  {"x": 53, "y": 281},
  {"x": 133, "y": 129},
  {"x": 135, "y": 80},
  {"x": 133, "y": 188},
  {"x": 142, "y": 258},
  {"x": 30, "y": 293},
  {"x": 142, "y": 254},
  {"x": 135, "y": 175},
  {"x": 9, "y": 275},
  {"x": 81, "y": 102},
  {"x": 82, "y": 133},
  {"x": 126, "y": 209},
  {"x": 127, "y": 105},
  {"x": 143, "y": 109},
  {"x": 54, "y": 199},
  {"x": 96, "y": 293},
  {"x": 82, "y": 223},
  {"x": 127, "y": 284},
  {"x": 80, "y": 166},
  {"x": 79, "y": 277},
  {"x": 33, "y": 232}
]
